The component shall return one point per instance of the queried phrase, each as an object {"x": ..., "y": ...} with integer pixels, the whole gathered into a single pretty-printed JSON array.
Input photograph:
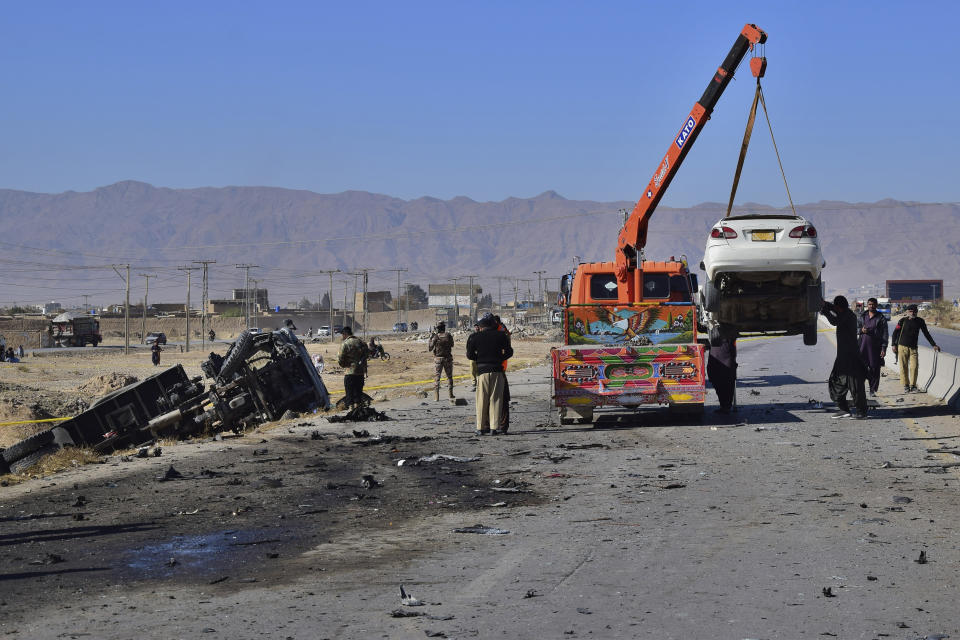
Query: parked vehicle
[
  {"x": 323, "y": 331},
  {"x": 74, "y": 330},
  {"x": 400, "y": 327},
  {"x": 158, "y": 337},
  {"x": 763, "y": 275}
]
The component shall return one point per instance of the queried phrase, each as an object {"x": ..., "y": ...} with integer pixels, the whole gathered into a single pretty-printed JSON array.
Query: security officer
[
  {"x": 441, "y": 345},
  {"x": 353, "y": 358}
]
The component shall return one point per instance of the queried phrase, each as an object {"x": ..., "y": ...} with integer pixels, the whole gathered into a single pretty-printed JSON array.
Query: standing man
[
  {"x": 353, "y": 358},
  {"x": 489, "y": 348},
  {"x": 872, "y": 326},
  {"x": 505, "y": 413},
  {"x": 905, "y": 338},
  {"x": 848, "y": 373},
  {"x": 155, "y": 353},
  {"x": 722, "y": 369},
  {"x": 473, "y": 363},
  {"x": 441, "y": 345}
]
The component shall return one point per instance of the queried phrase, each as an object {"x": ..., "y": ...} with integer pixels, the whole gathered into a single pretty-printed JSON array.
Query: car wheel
[
  {"x": 27, "y": 446},
  {"x": 711, "y": 297},
  {"x": 236, "y": 357},
  {"x": 815, "y": 296},
  {"x": 810, "y": 334}
]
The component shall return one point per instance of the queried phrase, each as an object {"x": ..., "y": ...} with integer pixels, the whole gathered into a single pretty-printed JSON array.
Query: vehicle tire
[
  {"x": 238, "y": 354},
  {"x": 31, "y": 459},
  {"x": 711, "y": 297},
  {"x": 564, "y": 417},
  {"x": 385, "y": 356},
  {"x": 810, "y": 334},
  {"x": 4, "y": 467},
  {"x": 815, "y": 296},
  {"x": 27, "y": 446}
]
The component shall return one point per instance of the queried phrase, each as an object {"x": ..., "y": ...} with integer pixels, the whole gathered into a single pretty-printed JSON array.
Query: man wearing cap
[
  {"x": 905, "y": 338},
  {"x": 489, "y": 348},
  {"x": 441, "y": 345},
  {"x": 353, "y": 358}
]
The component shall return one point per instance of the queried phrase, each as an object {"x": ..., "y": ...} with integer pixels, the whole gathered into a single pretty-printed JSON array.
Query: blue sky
[{"x": 484, "y": 99}]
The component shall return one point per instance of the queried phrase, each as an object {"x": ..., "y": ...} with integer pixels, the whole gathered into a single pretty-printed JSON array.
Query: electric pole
[
  {"x": 406, "y": 303},
  {"x": 470, "y": 296},
  {"x": 256, "y": 301},
  {"x": 203, "y": 308},
  {"x": 398, "y": 290},
  {"x": 188, "y": 270},
  {"x": 146, "y": 292},
  {"x": 539, "y": 291},
  {"x": 126, "y": 309},
  {"x": 246, "y": 291},
  {"x": 456, "y": 305},
  {"x": 330, "y": 273}
]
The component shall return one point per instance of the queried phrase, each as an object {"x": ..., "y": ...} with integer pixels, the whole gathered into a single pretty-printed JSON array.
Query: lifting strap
[{"x": 758, "y": 97}]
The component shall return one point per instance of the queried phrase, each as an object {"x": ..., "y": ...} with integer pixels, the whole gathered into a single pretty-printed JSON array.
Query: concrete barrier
[{"x": 944, "y": 375}]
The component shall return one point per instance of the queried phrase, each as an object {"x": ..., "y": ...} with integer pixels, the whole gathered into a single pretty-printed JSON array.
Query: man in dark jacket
[
  {"x": 849, "y": 372},
  {"x": 722, "y": 369},
  {"x": 905, "y": 338},
  {"x": 872, "y": 332},
  {"x": 489, "y": 348}
]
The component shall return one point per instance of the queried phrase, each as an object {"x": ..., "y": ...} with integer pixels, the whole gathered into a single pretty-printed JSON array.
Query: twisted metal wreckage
[{"x": 261, "y": 377}]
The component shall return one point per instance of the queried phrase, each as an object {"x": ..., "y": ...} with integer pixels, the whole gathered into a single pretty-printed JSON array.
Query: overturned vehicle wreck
[{"x": 261, "y": 377}]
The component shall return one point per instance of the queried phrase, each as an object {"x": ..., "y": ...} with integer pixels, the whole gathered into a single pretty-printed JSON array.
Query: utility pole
[
  {"x": 253, "y": 306},
  {"x": 406, "y": 303},
  {"x": 365, "y": 279},
  {"x": 146, "y": 292},
  {"x": 86, "y": 304},
  {"x": 346, "y": 288},
  {"x": 398, "y": 289},
  {"x": 470, "y": 296},
  {"x": 126, "y": 308},
  {"x": 330, "y": 273},
  {"x": 203, "y": 308},
  {"x": 456, "y": 305},
  {"x": 188, "y": 270},
  {"x": 246, "y": 292},
  {"x": 539, "y": 292}
]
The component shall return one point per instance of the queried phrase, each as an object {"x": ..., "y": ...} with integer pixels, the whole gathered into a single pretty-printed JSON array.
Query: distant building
[
  {"x": 257, "y": 296},
  {"x": 444, "y": 295},
  {"x": 376, "y": 301},
  {"x": 50, "y": 308},
  {"x": 914, "y": 290}
]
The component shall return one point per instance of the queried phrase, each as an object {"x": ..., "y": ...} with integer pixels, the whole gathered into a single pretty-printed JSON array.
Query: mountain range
[{"x": 288, "y": 233}]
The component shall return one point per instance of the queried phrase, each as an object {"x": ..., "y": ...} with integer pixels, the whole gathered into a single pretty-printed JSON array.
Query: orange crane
[{"x": 630, "y": 325}]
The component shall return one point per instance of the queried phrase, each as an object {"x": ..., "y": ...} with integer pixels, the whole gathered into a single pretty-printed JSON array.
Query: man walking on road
[
  {"x": 904, "y": 340},
  {"x": 873, "y": 336},
  {"x": 849, "y": 372},
  {"x": 441, "y": 345},
  {"x": 722, "y": 369},
  {"x": 353, "y": 358},
  {"x": 489, "y": 348}
]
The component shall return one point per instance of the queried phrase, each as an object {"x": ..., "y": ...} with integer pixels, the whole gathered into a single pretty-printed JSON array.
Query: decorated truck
[{"x": 630, "y": 326}]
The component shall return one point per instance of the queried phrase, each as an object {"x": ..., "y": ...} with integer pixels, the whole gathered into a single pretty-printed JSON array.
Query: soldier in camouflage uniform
[
  {"x": 353, "y": 359},
  {"x": 441, "y": 345}
]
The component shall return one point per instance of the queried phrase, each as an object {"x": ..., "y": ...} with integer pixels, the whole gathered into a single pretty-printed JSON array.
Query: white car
[{"x": 763, "y": 275}]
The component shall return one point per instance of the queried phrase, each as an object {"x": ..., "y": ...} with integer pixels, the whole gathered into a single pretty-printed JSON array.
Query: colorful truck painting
[{"x": 627, "y": 356}]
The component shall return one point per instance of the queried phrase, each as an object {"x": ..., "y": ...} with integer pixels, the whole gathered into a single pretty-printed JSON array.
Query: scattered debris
[
  {"x": 408, "y": 600},
  {"x": 361, "y": 414},
  {"x": 482, "y": 530},
  {"x": 369, "y": 482},
  {"x": 531, "y": 593},
  {"x": 400, "y": 613},
  {"x": 171, "y": 474},
  {"x": 828, "y": 592},
  {"x": 922, "y": 559},
  {"x": 902, "y": 499}
]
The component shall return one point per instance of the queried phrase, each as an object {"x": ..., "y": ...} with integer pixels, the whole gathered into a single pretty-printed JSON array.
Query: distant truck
[{"x": 74, "y": 330}]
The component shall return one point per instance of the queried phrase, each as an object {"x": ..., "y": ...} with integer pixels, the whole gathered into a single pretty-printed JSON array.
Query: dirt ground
[{"x": 61, "y": 384}]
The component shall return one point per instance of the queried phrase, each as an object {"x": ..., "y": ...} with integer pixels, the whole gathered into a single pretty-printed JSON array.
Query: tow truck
[{"x": 630, "y": 326}]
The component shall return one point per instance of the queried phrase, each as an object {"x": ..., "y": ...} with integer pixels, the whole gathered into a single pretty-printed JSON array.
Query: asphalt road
[
  {"x": 777, "y": 523},
  {"x": 947, "y": 339}
]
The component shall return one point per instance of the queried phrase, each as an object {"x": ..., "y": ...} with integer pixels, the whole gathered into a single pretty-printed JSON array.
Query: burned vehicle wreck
[{"x": 259, "y": 379}]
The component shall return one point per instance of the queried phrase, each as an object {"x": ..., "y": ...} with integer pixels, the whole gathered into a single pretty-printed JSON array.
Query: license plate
[{"x": 763, "y": 236}]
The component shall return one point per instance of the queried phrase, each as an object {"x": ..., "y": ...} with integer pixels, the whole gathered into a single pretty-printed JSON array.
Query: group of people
[
  {"x": 861, "y": 352},
  {"x": 11, "y": 355},
  {"x": 488, "y": 349}
]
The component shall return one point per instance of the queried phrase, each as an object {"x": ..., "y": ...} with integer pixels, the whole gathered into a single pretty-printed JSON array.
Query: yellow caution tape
[{"x": 7, "y": 424}]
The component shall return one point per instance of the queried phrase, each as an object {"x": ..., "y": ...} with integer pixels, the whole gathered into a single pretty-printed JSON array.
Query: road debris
[
  {"x": 408, "y": 600},
  {"x": 482, "y": 530}
]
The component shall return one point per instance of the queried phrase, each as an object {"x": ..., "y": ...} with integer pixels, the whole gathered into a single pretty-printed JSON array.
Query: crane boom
[{"x": 633, "y": 236}]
